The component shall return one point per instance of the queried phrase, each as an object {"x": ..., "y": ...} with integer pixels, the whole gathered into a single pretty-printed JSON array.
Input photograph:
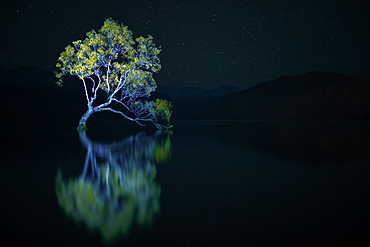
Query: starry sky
[{"x": 205, "y": 43}]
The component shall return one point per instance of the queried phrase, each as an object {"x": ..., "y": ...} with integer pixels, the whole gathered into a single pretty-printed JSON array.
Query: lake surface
[{"x": 201, "y": 184}]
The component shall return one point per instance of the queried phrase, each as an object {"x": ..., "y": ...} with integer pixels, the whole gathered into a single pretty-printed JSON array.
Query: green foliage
[
  {"x": 116, "y": 62},
  {"x": 163, "y": 149},
  {"x": 133, "y": 202},
  {"x": 103, "y": 49},
  {"x": 163, "y": 109},
  {"x": 125, "y": 193}
]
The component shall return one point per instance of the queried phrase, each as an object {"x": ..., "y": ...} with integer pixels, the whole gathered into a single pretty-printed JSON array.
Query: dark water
[{"x": 203, "y": 184}]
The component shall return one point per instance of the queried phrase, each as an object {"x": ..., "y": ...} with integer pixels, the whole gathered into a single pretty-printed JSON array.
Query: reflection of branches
[{"x": 117, "y": 186}]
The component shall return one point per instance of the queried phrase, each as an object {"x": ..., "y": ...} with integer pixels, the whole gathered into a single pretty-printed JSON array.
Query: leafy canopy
[
  {"x": 114, "y": 62},
  {"x": 99, "y": 50}
]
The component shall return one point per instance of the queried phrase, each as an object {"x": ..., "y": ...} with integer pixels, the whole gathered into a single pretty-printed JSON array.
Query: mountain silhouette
[
  {"x": 312, "y": 96},
  {"x": 30, "y": 94}
]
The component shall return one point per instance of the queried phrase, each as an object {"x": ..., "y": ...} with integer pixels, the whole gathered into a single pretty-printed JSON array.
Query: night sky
[{"x": 204, "y": 43}]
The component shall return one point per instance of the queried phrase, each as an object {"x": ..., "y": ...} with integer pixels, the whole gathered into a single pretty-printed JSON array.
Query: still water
[{"x": 201, "y": 184}]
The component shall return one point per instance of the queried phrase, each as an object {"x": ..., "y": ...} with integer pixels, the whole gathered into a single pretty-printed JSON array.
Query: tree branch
[
  {"x": 86, "y": 93},
  {"x": 115, "y": 111}
]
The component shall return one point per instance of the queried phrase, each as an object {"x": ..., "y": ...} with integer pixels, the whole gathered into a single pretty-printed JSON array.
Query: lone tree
[{"x": 111, "y": 60}]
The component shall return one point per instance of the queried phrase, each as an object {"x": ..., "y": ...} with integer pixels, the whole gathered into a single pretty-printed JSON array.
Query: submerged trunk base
[{"x": 82, "y": 127}]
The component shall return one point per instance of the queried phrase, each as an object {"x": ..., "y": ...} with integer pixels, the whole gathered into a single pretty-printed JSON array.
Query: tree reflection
[{"x": 117, "y": 188}]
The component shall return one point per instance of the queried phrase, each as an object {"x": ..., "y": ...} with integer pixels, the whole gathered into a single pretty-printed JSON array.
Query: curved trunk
[{"x": 82, "y": 123}]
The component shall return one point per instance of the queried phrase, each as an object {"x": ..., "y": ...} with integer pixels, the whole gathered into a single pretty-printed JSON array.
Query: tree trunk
[{"x": 82, "y": 123}]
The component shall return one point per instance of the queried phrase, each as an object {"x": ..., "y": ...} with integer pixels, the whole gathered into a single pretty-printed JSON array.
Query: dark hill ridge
[
  {"x": 31, "y": 78},
  {"x": 30, "y": 93},
  {"x": 188, "y": 101},
  {"x": 312, "y": 96},
  {"x": 186, "y": 94}
]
